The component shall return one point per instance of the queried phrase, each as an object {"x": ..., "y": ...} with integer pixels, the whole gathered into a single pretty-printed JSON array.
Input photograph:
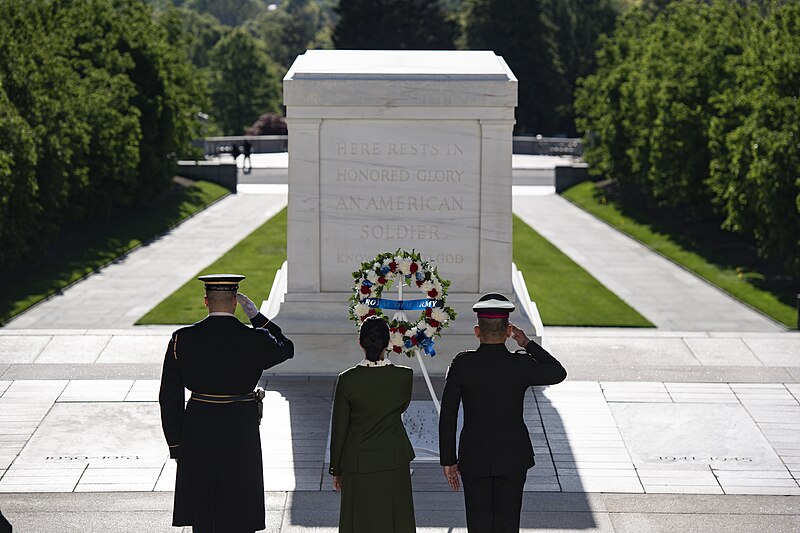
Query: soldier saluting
[
  {"x": 219, "y": 485},
  {"x": 495, "y": 452}
]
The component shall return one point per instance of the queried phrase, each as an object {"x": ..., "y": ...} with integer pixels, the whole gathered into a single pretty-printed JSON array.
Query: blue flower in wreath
[
  {"x": 385, "y": 269},
  {"x": 420, "y": 276},
  {"x": 366, "y": 282},
  {"x": 407, "y": 344}
]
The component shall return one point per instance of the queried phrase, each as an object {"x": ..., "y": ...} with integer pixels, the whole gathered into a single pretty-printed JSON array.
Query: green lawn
[
  {"x": 721, "y": 258},
  {"x": 565, "y": 294},
  {"x": 79, "y": 250},
  {"x": 257, "y": 256}
]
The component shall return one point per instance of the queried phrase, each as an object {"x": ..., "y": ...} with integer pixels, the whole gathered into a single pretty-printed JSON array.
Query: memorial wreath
[{"x": 397, "y": 267}]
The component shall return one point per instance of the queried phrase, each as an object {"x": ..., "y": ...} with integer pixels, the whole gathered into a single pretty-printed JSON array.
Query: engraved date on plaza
[
  {"x": 703, "y": 459},
  {"x": 68, "y": 458}
]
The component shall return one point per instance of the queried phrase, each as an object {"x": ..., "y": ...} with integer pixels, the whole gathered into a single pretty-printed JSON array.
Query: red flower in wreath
[
  {"x": 382, "y": 280},
  {"x": 433, "y": 293},
  {"x": 397, "y": 349},
  {"x": 433, "y": 323},
  {"x": 428, "y": 312},
  {"x": 413, "y": 268},
  {"x": 365, "y": 289},
  {"x": 392, "y": 266}
]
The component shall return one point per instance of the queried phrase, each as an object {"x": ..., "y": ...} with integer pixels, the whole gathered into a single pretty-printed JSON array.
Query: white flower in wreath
[
  {"x": 427, "y": 286},
  {"x": 372, "y": 276},
  {"x": 361, "y": 310},
  {"x": 405, "y": 267},
  {"x": 439, "y": 315},
  {"x": 396, "y": 339},
  {"x": 376, "y": 265}
]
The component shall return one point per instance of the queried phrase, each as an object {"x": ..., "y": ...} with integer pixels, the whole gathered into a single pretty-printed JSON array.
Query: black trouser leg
[
  {"x": 478, "y": 503},
  {"x": 507, "y": 502}
]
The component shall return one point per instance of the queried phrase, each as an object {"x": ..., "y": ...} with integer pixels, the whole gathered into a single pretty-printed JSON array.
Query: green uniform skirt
[{"x": 377, "y": 502}]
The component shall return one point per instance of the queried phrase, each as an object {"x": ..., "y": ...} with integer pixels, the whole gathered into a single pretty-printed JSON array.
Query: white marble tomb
[{"x": 388, "y": 150}]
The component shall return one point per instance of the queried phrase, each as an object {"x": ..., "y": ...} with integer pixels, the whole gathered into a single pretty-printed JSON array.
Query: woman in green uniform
[{"x": 370, "y": 451}]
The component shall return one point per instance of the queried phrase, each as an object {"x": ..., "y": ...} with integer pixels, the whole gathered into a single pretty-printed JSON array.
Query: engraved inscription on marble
[{"x": 399, "y": 184}]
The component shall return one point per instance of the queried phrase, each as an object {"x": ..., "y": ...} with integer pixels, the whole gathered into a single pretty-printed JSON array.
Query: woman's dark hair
[{"x": 374, "y": 337}]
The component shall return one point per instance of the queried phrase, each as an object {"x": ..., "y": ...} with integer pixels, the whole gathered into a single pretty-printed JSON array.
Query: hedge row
[
  {"x": 696, "y": 109},
  {"x": 96, "y": 102}
]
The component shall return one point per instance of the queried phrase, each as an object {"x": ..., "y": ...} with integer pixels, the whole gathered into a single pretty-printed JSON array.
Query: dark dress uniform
[
  {"x": 495, "y": 450},
  {"x": 371, "y": 450},
  {"x": 219, "y": 485}
]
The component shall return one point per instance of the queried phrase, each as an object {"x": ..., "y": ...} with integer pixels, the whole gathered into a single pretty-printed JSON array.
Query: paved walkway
[
  {"x": 589, "y": 436},
  {"x": 666, "y": 294},
  {"x": 627, "y": 452},
  {"x": 120, "y": 293},
  {"x": 317, "y": 512}
]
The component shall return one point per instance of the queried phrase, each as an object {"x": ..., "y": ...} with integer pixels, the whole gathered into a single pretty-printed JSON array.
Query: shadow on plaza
[{"x": 313, "y": 503}]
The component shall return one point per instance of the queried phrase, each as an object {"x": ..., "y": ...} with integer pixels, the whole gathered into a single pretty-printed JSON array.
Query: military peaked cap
[
  {"x": 493, "y": 305},
  {"x": 221, "y": 282}
]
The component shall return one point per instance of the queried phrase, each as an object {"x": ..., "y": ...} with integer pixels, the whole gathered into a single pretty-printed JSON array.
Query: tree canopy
[
  {"x": 393, "y": 25},
  {"x": 95, "y": 107},
  {"x": 695, "y": 107}
]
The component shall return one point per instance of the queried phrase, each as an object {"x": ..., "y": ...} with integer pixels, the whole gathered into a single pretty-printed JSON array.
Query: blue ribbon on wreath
[
  {"x": 402, "y": 305},
  {"x": 426, "y": 343}
]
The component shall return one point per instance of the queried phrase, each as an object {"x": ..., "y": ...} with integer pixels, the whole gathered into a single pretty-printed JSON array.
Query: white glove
[{"x": 247, "y": 304}]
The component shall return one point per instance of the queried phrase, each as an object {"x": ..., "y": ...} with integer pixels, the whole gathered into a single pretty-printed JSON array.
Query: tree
[
  {"x": 523, "y": 34},
  {"x": 245, "y": 82},
  {"x": 229, "y": 12},
  {"x": 18, "y": 207},
  {"x": 196, "y": 32},
  {"x": 608, "y": 117},
  {"x": 393, "y": 25},
  {"x": 290, "y": 30},
  {"x": 102, "y": 103},
  {"x": 755, "y": 136},
  {"x": 695, "y": 109},
  {"x": 580, "y": 23}
]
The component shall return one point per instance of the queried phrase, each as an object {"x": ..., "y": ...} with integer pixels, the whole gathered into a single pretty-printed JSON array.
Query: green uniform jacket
[{"x": 367, "y": 434}]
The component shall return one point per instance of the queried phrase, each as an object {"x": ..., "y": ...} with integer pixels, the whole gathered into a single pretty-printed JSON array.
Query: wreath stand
[{"x": 400, "y": 315}]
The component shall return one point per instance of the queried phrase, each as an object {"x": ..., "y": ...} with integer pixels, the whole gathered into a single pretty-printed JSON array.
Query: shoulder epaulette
[{"x": 175, "y": 345}]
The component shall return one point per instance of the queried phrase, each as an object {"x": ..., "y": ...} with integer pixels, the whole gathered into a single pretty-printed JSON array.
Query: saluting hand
[
  {"x": 247, "y": 304},
  {"x": 451, "y": 474},
  {"x": 337, "y": 483},
  {"x": 519, "y": 336}
]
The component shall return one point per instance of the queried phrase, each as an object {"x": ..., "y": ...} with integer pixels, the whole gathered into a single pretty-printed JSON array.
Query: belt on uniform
[
  {"x": 255, "y": 396},
  {"x": 224, "y": 398}
]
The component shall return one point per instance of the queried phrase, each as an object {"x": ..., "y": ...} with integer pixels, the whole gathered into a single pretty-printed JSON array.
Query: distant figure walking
[
  {"x": 235, "y": 151},
  {"x": 248, "y": 148},
  {"x": 370, "y": 450}
]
